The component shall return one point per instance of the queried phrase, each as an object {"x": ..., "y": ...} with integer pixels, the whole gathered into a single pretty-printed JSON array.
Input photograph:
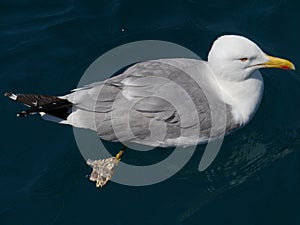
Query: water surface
[{"x": 45, "y": 47}]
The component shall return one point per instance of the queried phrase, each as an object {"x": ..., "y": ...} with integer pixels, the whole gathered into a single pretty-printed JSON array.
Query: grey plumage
[
  {"x": 167, "y": 102},
  {"x": 159, "y": 103}
]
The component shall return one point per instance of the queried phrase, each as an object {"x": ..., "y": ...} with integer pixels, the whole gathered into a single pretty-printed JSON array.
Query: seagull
[{"x": 165, "y": 102}]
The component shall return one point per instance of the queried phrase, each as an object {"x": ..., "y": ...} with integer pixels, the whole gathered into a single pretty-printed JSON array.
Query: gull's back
[{"x": 159, "y": 103}]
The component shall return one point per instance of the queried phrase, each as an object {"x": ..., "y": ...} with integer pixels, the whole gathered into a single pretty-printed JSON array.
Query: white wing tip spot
[{"x": 11, "y": 96}]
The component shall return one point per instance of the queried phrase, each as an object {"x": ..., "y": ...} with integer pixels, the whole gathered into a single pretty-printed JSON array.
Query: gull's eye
[{"x": 244, "y": 59}]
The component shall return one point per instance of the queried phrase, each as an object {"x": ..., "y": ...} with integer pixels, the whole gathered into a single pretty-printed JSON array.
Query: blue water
[{"x": 45, "y": 47}]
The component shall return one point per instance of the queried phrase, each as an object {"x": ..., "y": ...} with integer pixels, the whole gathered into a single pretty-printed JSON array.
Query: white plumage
[{"x": 169, "y": 102}]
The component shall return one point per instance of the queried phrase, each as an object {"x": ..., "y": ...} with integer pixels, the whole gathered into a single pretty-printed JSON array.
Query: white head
[{"x": 235, "y": 58}]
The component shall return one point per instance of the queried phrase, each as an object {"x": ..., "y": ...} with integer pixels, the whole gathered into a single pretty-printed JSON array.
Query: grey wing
[{"x": 157, "y": 103}]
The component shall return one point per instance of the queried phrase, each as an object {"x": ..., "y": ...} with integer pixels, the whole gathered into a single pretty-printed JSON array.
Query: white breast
[{"x": 244, "y": 96}]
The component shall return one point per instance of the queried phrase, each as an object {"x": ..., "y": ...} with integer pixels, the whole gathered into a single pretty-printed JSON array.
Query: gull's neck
[{"x": 244, "y": 96}]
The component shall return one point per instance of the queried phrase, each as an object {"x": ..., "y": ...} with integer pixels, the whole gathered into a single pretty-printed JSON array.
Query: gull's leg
[{"x": 103, "y": 169}]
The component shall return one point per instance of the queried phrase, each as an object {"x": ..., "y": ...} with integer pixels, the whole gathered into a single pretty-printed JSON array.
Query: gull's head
[{"x": 235, "y": 58}]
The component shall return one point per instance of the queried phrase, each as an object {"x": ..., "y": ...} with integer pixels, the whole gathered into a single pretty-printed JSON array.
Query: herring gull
[{"x": 165, "y": 102}]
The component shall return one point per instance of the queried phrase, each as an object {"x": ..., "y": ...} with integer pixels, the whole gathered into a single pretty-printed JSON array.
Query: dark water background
[{"x": 45, "y": 47}]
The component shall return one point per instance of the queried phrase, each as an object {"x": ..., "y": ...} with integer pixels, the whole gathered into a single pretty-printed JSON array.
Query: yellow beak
[{"x": 275, "y": 62}]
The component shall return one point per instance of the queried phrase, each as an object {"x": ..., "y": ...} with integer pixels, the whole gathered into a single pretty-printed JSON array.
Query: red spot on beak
[{"x": 285, "y": 68}]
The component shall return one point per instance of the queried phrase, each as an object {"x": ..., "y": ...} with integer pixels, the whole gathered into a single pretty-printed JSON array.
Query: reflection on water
[
  {"x": 232, "y": 168},
  {"x": 245, "y": 163}
]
